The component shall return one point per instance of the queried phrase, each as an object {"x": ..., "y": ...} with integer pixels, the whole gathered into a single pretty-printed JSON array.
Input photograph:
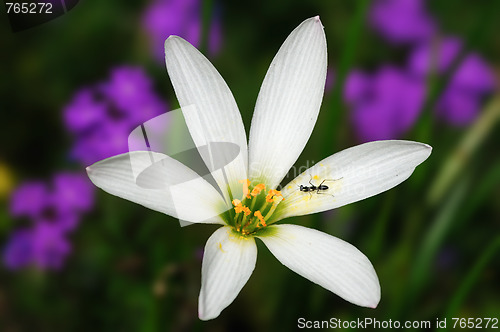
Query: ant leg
[
  {"x": 312, "y": 185},
  {"x": 325, "y": 194},
  {"x": 333, "y": 179}
]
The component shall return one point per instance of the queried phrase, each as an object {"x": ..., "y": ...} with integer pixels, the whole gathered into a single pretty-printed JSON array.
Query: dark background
[{"x": 132, "y": 269}]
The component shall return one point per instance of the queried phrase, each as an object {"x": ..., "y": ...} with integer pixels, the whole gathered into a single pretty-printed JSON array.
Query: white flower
[{"x": 285, "y": 113}]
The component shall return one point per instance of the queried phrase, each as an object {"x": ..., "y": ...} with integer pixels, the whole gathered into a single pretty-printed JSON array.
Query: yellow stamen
[
  {"x": 276, "y": 200},
  {"x": 271, "y": 194},
  {"x": 261, "y": 218},
  {"x": 257, "y": 189},
  {"x": 242, "y": 208},
  {"x": 239, "y": 208},
  {"x": 246, "y": 211}
]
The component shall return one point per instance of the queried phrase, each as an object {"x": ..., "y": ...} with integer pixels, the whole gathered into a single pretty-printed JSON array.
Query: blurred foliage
[{"x": 133, "y": 269}]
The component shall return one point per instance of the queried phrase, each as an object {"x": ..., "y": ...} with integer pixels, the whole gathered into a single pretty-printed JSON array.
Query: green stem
[
  {"x": 438, "y": 230},
  {"x": 380, "y": 226},
  {"x": 472, "y": 277},
  {"x": 483, "y": 191},
  {"x": 346, "y": 61},
  {"x": 206, "y": 19},
  {"x": 462, "y": 154}
]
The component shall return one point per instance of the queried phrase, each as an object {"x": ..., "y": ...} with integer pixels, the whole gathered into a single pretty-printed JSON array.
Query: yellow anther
[
  {"x": 242, "y": 208},
  {"x": 238, "y": 208},
  {"x": 236, "y": 202},
  {"x": 257, "y": 189},
  {"x": 246, "y": 211},
  {"x": 258, "y": 214},
  {"x": 315, "y": 177},
  {"x": 271, "y": 194}
]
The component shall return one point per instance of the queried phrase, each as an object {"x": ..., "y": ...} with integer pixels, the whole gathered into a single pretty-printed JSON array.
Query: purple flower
[
  {"x": 103, "y": 141},
  {"x": 384, "y": 104},
  {"x": 73, "y": 192},
  {"x": 127, "y": 88},
  {"x": 68, "y": 194},
  {"x": 84, "y": 111},
  {"x": 470, "y": 83},
  {"x": 18, "y": 252},
  {"x": 402, "y": 21},
  {"x": 178, "y": 17},
  {"x": 43, "y": 246},
  {"x": 28, "y": 199},
  {"x": 102, "y": 116},
  {"x": 50, "y": 246},
  {"x": 36, "y": 201},
  {"x": 54, "y": 210}
]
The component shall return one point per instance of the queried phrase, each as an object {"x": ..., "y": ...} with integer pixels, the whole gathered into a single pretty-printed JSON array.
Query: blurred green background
[{"x": 433, "y": 240}]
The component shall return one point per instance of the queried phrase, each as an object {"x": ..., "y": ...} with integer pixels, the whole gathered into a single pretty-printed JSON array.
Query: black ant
[{"x": 321, "y": 187}]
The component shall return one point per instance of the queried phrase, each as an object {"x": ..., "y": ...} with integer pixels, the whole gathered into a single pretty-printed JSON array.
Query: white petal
[
  {"x": 327, "y": 261},
  {"x": 288, "y": 103},
  {"x": 352, "y": 175},
  {"x": 160, "y": 183},
  {"x": 228, "y": 263},
  {"x": 208, "y": 106}
]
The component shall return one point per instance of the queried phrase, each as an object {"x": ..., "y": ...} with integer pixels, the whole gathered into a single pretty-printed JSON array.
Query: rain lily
[{"x": 247, "y": 202}]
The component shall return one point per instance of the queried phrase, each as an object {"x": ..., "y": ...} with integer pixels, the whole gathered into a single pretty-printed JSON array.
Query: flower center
[{"x": 254, "y": 209}]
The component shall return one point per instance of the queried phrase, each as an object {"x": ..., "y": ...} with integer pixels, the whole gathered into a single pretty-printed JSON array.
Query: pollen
[
  {"x": 257, "y": 189},
  {"x": 255, "y": 208},
  {"x": 246, "y": 211},
  {"x": 238, "y": 208},
  {"x": 261, "y": 219},
  {"x": 271, "y": 194},
  {"x": 242, "y": 208}
]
